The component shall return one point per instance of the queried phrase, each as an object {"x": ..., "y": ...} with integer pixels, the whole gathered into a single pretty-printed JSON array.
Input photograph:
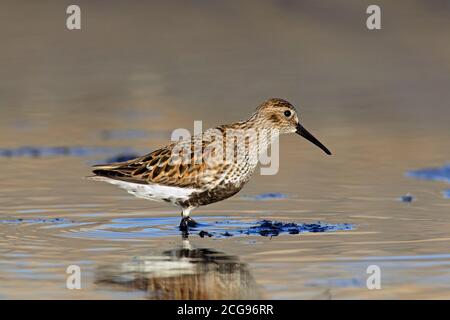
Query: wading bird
[{"x": 197, "y": 171}]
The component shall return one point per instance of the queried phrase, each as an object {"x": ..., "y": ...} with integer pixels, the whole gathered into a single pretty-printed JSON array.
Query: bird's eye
[{"x": 287, "y": 113}]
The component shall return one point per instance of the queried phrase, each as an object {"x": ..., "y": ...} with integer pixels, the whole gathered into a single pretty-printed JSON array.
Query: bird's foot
[{"x": 186, "y": 223}]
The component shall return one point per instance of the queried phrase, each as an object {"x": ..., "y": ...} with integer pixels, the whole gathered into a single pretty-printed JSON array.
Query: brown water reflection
[{"x": 184, "y": 273}]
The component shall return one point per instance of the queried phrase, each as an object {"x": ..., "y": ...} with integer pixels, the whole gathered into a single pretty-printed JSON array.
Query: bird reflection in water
[{"x": 183, "y": 273}]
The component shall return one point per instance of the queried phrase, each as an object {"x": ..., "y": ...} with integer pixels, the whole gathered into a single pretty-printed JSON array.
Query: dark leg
[{"x": 186, "y": 223}]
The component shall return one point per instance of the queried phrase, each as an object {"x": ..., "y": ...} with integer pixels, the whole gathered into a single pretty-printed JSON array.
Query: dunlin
[{"x": 198, "y": 171}]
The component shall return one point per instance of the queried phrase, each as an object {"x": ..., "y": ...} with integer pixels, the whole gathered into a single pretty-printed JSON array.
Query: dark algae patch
[
  {"x": 447, "y": 194},
  {"x": 122, "y": 157},
  {"x": 267, "y": 228},
  {"x": 266, "y": 196}
]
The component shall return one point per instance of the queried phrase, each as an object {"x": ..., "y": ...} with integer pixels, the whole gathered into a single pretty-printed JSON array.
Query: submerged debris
[
  {"x": 407, "y": 198},
  {"x": 437, "y": 174}
]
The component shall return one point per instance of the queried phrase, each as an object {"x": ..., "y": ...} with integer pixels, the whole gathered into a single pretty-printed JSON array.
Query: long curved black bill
[{"x": 308, "y": 136}]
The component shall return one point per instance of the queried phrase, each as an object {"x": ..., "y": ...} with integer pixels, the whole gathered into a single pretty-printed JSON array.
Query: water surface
[{"x": 378, "y": 100}]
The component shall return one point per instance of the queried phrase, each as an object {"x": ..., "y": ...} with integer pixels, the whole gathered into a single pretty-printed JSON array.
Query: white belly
[{"x": 155, "y": 192}]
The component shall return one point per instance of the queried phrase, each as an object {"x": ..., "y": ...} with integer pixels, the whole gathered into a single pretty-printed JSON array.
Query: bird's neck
[{"x": 253, "y": 135}]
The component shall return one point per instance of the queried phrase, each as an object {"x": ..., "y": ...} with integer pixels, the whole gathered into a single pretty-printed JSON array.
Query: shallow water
[{"x": 117, "y": 88}]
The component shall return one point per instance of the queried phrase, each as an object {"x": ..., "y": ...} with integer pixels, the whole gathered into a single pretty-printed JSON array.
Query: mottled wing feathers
[
  {"x": 157, "y": 167},
  {"x": 135, "y": 170}
]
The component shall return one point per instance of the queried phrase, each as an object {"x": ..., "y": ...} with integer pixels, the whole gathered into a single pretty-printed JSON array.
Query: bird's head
[{"x": 280, "y": 115}]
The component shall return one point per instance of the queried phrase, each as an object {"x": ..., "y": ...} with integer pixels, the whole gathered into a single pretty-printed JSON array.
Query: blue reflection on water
[
  {"x": 266, "y": 196},
  {"x": 436, "y": 174}
]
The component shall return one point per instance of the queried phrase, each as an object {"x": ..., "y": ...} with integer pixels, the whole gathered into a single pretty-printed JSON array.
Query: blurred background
[{"x": 137, "y": 70}]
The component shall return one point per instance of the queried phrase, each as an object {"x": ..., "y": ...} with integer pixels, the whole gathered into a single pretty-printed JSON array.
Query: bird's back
[{"x": 193, "y": 163}]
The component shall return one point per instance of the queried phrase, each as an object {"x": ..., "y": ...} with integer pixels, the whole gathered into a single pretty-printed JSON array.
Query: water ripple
[{"x": 217, "y": 227}]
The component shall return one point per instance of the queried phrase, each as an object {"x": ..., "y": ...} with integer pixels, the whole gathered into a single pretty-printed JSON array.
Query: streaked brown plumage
[{"x": 206, "y": 175}]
